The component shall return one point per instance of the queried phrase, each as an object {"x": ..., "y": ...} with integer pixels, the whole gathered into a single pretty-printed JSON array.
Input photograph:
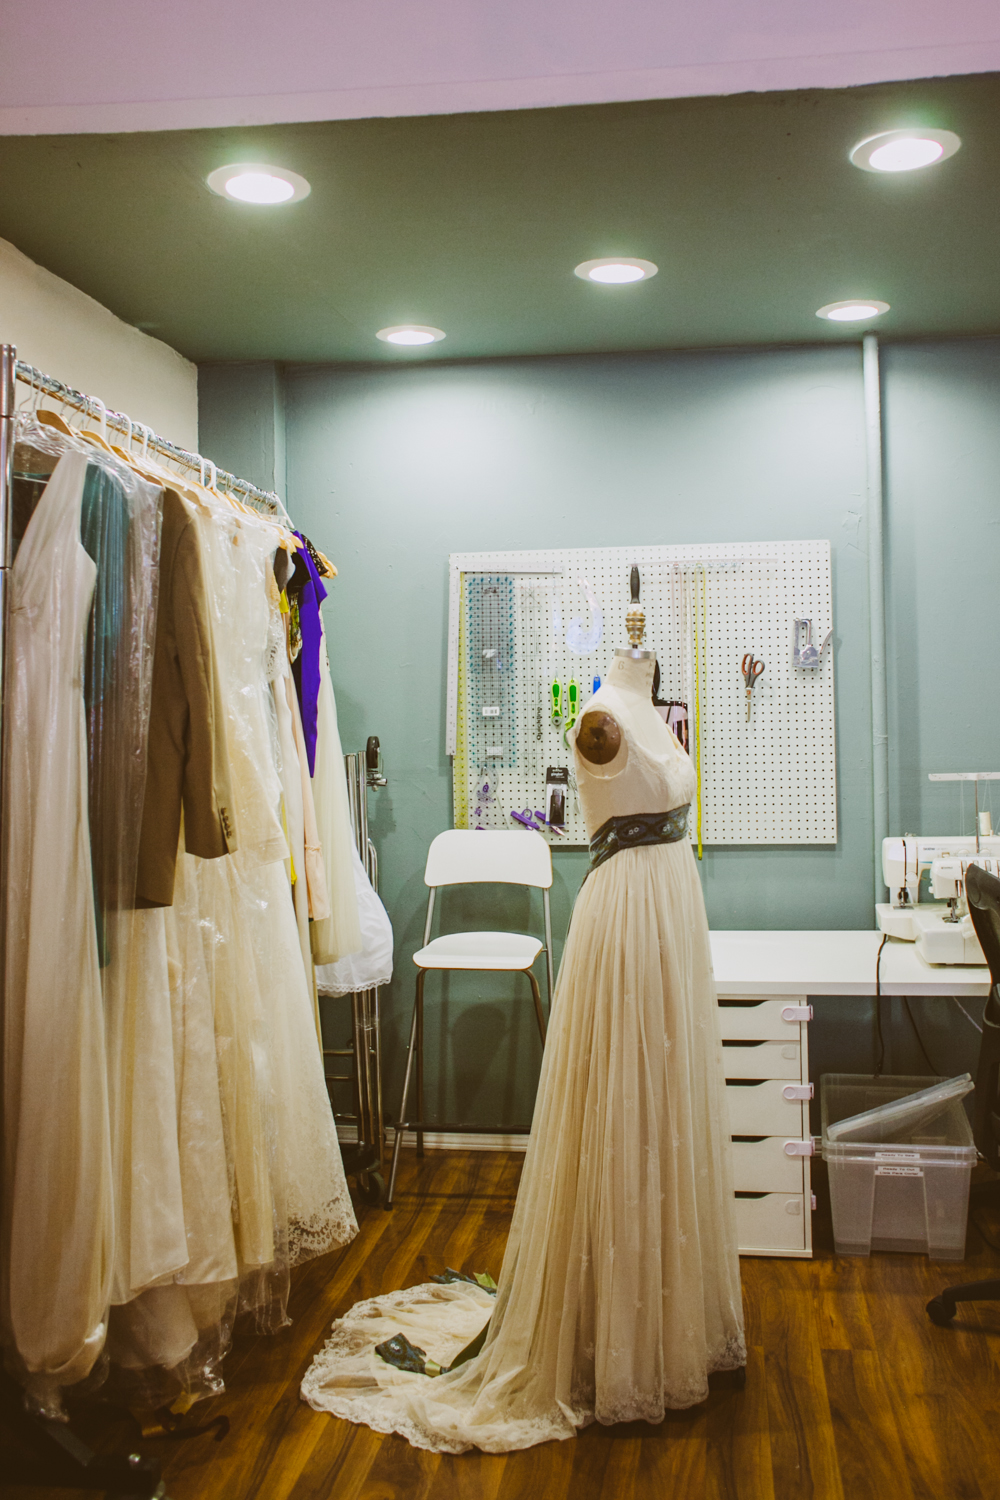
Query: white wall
[
  {"x": 111, "y": 65},
  {"x": 67, "y": 334}
]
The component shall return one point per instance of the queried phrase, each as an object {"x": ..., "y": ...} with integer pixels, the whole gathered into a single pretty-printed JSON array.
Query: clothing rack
[
  {"x": 363, "y": 1160},
  {"x": 265, "y": 500},
  {"x": 65, "y": 1459}
]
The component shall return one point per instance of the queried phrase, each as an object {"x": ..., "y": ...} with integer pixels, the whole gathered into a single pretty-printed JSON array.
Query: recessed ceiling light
[
  {"x": 904, "y": 150},
  {"x": 858, "y": 310},
  {"x": 251, "y": 182},
  {"x": 615, "y": 270},
  {"x": 410, "y": 334}
]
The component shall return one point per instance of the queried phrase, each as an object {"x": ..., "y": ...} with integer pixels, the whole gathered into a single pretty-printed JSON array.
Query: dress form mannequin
[
  {"x": 600, "y": 740},
  {"x": 620, "y": 1288}
]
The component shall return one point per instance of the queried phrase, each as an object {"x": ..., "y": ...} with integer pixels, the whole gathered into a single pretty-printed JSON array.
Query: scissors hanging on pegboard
[{"x": 751, "y": 668}]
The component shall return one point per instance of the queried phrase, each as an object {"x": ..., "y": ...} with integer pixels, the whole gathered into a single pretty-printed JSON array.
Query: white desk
[
  {"x": 833, "y": 963},
  {"x": 764, "y": 981}
]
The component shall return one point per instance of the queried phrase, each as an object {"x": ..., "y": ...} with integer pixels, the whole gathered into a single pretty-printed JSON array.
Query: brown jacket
[{"x": 188, "y": 758}]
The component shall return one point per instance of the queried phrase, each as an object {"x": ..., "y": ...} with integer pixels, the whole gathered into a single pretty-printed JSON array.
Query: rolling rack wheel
[
  {"x": 372, "y": 1187},
  {"x": 65, "y": 1461}
]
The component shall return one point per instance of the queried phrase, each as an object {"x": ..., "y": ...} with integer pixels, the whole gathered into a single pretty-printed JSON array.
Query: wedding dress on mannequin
[{"x": 620, "y": 1286}]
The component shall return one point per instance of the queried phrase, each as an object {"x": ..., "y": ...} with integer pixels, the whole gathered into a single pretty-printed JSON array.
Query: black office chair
[{"x": 983, "y": 894}]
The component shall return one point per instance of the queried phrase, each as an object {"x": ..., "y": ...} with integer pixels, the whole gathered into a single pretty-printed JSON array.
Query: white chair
[{"x": 470, "y": 857}]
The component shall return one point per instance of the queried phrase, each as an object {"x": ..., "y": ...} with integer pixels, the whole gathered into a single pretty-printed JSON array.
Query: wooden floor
[{"x": 851, "y": 1392}]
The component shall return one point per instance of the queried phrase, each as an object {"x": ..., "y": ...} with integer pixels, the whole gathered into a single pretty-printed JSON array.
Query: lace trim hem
[
  {"x": 329, "y": 1229},
  {"x": 389, "y": 1409}
]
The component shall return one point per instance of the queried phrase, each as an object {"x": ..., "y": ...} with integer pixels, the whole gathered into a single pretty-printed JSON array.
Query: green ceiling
[{"x": 474, "y": 223}]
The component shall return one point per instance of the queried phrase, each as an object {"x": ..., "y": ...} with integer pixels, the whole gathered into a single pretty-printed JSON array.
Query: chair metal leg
[
  {"x": 420, "y": 1063},
  {"x": 536, "y": 994},
  {"x": 550, "y": 978},
  {"x": 401, "y": 1121}
]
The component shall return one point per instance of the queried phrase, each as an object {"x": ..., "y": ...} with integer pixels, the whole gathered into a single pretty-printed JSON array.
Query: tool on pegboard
[
  {"x": 751, "y": 668},
  {"x": 804, "y": 653},
  {"x": 491, "y": 657},
  {"x": 556, "y": 693},
  {"x": 581, "y": 639},
  {"x": 556, "y": 794}
]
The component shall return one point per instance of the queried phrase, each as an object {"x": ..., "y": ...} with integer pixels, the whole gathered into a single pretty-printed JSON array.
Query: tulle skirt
[{"x": 620, "y": 1287}]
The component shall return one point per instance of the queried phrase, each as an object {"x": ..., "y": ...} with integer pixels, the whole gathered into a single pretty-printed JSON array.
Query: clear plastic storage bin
[{"x": 899, "y": 1154}]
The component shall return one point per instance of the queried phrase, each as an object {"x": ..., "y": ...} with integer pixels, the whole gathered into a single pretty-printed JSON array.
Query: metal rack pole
[{"x": 8, "y": 365}]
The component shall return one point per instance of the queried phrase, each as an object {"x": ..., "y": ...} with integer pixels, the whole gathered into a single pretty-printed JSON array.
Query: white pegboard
[{"x": 772, "y": 781}]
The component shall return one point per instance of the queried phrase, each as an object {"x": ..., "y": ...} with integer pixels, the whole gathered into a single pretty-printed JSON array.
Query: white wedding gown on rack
[
  {"x": 263, "y": 1178},
  {"x": 58, "y": 1203},
  {"x": 294, "y": 1202},
  {"x": 620, "y": 1286}
]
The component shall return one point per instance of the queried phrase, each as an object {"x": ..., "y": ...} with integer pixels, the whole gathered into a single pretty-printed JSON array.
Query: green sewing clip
[
  {"x": 573, "y": 694},
  {"x": 557, "y": 703},
  {"x": 573, "y": 709}
]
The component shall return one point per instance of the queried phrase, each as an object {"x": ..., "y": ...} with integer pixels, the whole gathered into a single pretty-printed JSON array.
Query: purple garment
[{"x": 305, "y": 668}]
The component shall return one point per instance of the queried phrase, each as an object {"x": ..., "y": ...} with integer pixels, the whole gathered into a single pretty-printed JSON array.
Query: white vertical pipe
[{"x": 876, "y": 605}]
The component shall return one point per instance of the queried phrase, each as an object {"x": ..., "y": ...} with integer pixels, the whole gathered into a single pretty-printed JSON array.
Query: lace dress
[
  {"x": 294, "y": 1162},
  {"x": 620, "y": 1287},
  {"x": 262, "y": 1174}
]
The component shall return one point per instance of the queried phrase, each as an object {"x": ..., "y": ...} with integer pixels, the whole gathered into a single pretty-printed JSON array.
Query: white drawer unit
[
  {"x": 760, "y": 1106},
  {"x": 773, "y": 1224},
  {"x": 766, "y": 1058},
  {"x": 763, "y": 1060},
  {"x": 762, "y": 1165}
]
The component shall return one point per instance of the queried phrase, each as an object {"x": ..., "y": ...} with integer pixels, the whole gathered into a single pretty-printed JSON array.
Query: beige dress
[{"x": 620, "y": 1287}]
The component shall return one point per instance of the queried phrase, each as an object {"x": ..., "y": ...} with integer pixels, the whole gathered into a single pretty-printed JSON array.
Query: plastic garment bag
[
  {"x": 372, "y": 965},
  {"x": 340, "y": 933},
  {"x": 81, "y": 632}
]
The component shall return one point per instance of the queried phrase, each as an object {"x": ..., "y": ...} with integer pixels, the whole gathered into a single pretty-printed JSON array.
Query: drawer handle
[
  {"x": 793, "y": 1206},
  {"x": 799, "y": 1148},
  {"x": 798, "y": 1091},
  {"x": 797, "y": 1013}
]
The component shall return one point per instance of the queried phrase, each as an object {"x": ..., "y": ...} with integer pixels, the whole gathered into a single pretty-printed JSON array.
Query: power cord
[
  {"x": 880, "y": 1060},
  {"x": 920, "y": 1040}
]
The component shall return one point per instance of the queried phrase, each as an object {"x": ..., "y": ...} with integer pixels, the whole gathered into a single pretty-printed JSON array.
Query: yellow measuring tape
[{"x": 697, "y": 694}]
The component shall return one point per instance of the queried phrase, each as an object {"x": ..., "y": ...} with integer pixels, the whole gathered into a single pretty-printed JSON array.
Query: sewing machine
[{"x": 926, "y": 880}]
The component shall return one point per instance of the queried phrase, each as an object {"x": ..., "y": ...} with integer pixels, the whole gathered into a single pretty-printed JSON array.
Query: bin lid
[{"x": 902, "y": 1117}]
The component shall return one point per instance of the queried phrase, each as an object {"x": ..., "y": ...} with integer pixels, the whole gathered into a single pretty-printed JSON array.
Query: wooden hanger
[
  {"x": 55, "y": 421},
  {"x": 95, "y": 439}
]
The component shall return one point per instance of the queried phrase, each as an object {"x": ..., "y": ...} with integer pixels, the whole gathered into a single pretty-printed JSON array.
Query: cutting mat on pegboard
[{"x": 518, "y": 621}]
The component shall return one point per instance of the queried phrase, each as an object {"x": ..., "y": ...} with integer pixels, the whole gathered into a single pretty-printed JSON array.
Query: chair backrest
[
  {"x": 983, "y": 893},
  {"x": 465, "y": 856}
]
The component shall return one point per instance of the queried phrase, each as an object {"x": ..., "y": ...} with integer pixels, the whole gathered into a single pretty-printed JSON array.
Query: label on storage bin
[
  {"x": 897, "y": 1155},
  {"x": 899, "y": 1171}
]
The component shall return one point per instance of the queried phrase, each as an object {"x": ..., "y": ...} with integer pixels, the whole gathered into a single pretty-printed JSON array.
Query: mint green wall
[
  {"x": 391, "y": 470},
  {"x": 941, "y": 412}
]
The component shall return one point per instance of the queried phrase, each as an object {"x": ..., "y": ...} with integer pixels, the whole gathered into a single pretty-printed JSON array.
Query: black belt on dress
[{"x": 638, "y": 829}]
